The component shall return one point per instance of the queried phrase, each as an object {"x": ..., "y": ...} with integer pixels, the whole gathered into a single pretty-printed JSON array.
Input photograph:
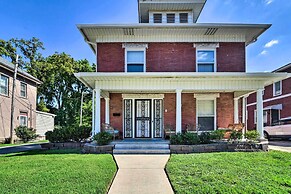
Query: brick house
[
  {"x": 169, "y": 70},
  {"x": 25, "y": 98},
  {"x": 276, "y": 99}
]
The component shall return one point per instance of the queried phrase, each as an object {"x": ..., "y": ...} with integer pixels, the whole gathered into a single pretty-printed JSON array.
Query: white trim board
[{"x": 271, "y": 99}]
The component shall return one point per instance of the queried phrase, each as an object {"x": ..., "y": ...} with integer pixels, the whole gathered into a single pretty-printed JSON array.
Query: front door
[{"x": 142, "y": 118}]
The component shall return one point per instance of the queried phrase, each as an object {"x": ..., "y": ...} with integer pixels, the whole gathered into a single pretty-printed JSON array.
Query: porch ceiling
[{"x": 169, "y": 82}]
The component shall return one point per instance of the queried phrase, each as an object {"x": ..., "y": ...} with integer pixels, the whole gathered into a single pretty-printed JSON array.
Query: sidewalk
[
  {"x": 141, "y": 174},
  {"x": 22, "y": 148}
]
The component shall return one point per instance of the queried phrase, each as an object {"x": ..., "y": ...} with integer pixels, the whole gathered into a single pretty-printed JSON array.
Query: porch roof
[{"x": 187, "y": 81}]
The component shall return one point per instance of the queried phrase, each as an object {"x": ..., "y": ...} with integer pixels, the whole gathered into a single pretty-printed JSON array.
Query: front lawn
[
  {"x": 56, "y": 171},
  {"x": 260, "y": 172}
]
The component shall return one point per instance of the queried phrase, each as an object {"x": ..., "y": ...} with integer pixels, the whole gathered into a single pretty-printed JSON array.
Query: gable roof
[
  {"x": 284, "y": 68},
  {"x": 10, "y": 67}
]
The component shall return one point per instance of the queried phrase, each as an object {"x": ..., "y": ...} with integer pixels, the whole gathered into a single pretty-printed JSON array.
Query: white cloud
[
  {"x": 271, "y": 43},
  {"x": 268, "y": 2},
  {"x": 264, "y": 52}
]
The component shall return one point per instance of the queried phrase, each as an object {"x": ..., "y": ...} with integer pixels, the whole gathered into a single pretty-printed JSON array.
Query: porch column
[
  {"x": 178, "y": 111},
  {"x": 236, "y": 119},
  {"x": 244, "y": 120},
  {"x": 93, "y": 112},
  {"x": 260, "y": 120},
  {"x": 107, "y": 114},
  {"x": 97, "y": 111}
]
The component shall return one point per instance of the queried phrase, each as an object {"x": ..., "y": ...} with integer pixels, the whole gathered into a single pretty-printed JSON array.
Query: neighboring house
[
  {"x": 25, "y": 98},
  {"x": 169, "y": 70},
  {"x": 277, "y": 101},
  {"x": 44, "y": 122}
]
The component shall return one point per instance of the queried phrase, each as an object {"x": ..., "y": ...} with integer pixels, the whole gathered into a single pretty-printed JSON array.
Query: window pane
[
  {"x": 135, "y": 57},
  {"x": 205, "y": 56},
  {"x": 134, "y": 68},
  {"x": 157, "y": 18},
  {"x": 206, "y": 123},
  {"x": 170, "y": 18},
  {"x": 183, "y": 17},
  {"x": 205, "y": 107},
  {"x": 4, "y": 85},
  {"x": 277, "y": 87},
  {"x": 23, "y": 90},
  {"x": 205, "y": 67}
]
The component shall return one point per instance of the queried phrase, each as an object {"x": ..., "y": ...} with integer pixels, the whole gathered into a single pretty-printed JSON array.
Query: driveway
[
  {"x": 23, "y": 148},
  {"x": 284, "y": 146}
]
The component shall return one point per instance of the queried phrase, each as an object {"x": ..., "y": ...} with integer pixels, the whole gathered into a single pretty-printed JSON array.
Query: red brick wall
[
  {"x": 172, "y": 57},
  {"x": 110, "y": 57},
  {"x": 170, "y": 109},
  {"x": 116, "y": 107},
  {"x": 231, "y": 57},
  {"x": 102, "y": 111},
  {"x": 188, "y": 110},
  {"x": 225, "y": 110}
]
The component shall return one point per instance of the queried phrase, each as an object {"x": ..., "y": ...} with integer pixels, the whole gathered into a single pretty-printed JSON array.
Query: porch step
[{"x": 142, "y": 147}]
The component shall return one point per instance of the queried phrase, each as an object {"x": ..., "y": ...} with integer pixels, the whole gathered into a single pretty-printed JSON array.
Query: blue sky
[{"x": 54, "y": 23}]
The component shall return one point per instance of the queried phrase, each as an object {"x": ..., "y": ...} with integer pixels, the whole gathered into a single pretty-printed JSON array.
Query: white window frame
[
  {"x": 264, "y": 111},
  {"x": 207, "y": 49},
  {"x": 187, "y": 17},
  {"x": 4, "y": 75},
  {"x": 164, "y": 17},
  {"x": 215, "y": 112},
  {"x": 274, "y": 88},
  {"x": 25, "y": 90},
  {"x": 135, "y": 49},
  {"x": 26, "y": 119}
]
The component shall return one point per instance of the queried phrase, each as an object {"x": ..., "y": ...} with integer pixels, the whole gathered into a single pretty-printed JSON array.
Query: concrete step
[
  {"x": 141, "y": 146},
  {"x": 139, "y": 151}
]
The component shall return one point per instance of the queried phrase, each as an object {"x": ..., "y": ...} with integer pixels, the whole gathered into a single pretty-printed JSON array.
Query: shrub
[
  {"x": 25, "y": 134},
  {"x": 205, "y": 138},
  {"x": 217, "y": 134},
  {"x": 235, "y": 135},
  {"x": 103, "y": 138},
  {"x": 80, "y": 133},
  {"x": 176, "y": 139},
  {"x": 252, "y": 135},
  {"x": 190, "y": 138}
]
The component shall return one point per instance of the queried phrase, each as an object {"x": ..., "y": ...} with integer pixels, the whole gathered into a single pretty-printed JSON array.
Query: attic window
[
  {"x": 183, "y": 17},
  {"x": 157, "y": 18},
  {"x": 128, "y": 31},
  {"x": 211, "y": 31},
  {"x": 170, "y": 18}
]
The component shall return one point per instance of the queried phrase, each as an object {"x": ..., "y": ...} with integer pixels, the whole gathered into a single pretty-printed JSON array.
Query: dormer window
[
  {"x": 183, "y": 17},
  {"x": 170, "y": 18},
  {"x": 158, "y": 18}
]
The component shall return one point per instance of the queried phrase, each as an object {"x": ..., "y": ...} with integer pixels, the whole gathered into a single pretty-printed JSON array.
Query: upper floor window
[
  {"x": 158, "y": 18},
  {"x": 206, "y": 61},
  {"x": 135, "y": 61},
  {"x": 183, "y": 17},
  {"x": 170, "y": 18},
  {"x": 23, "y": 89},
  {"x": 277, "y": 88},
  {"x": 4, "y": 81}
]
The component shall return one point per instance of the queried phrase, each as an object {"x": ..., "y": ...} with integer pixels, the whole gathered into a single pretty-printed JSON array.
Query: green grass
[
  {"x": 260, "y": 172},
  {"x": 35, "y": 142},
  {"x": 56, "y": 171}
]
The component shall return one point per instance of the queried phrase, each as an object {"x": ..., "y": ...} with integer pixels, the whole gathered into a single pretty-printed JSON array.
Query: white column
[
  {"x": 260, "y": 116},
  {"x": 236, "y": 119},
  {"x": 107, "y": 114},
  {"x": 97, "y": 111},
  {"x": 93, "y": 112},
  {"x": 178, "y": 111},
  {"x": 244, "y": 121}
]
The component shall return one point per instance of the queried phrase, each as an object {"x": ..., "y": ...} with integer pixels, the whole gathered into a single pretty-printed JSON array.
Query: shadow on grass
[{"x": 44, "y": 152}]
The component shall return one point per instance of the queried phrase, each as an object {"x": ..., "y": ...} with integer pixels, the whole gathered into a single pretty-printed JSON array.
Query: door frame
[{"x": 150, "y": 117}]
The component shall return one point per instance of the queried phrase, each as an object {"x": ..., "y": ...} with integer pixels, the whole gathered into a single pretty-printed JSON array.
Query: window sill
[{"x": 4, "y": 95}]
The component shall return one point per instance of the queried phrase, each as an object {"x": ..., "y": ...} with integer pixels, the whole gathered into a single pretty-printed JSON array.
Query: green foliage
[
  {"x": 177, "y": 139},
  {"x": 103, "y": 138},
  {"x": 68, "y": 134},
  {"x": 252, "y": 135},
  {"x": 25, "y": 134},
  {"x": 205, "y": 138},
  {"x": 56, "y": 171},
  {"x": 235, "y": 135},
  {"x": 41, "y": 106},
  {"x": 217, "y": 134},
  {"x": 256, "y": 172},
  {"x": 185, "y": 139}
]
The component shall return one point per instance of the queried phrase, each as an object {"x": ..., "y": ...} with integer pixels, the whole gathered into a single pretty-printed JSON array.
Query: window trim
[
  {"x": 180, "y": 17},
  {"x": 134, "y": 49},
  {"x": 255, "y": 116},
  {"x": 4, "y": 75},
  {"x": 215, "y": 111},
  {"x": 25, "y": 89},
  {"x": 207, "y": 49},
  {"x": 25, "y": 115},
  {"x": 274, "y": 89}
]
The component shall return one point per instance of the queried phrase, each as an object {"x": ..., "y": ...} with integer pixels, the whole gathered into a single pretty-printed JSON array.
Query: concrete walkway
[
  {"x": 22, "y": 148},
  {"x": 141, "y": 174},
  {"x": 284, "y": 146}
]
